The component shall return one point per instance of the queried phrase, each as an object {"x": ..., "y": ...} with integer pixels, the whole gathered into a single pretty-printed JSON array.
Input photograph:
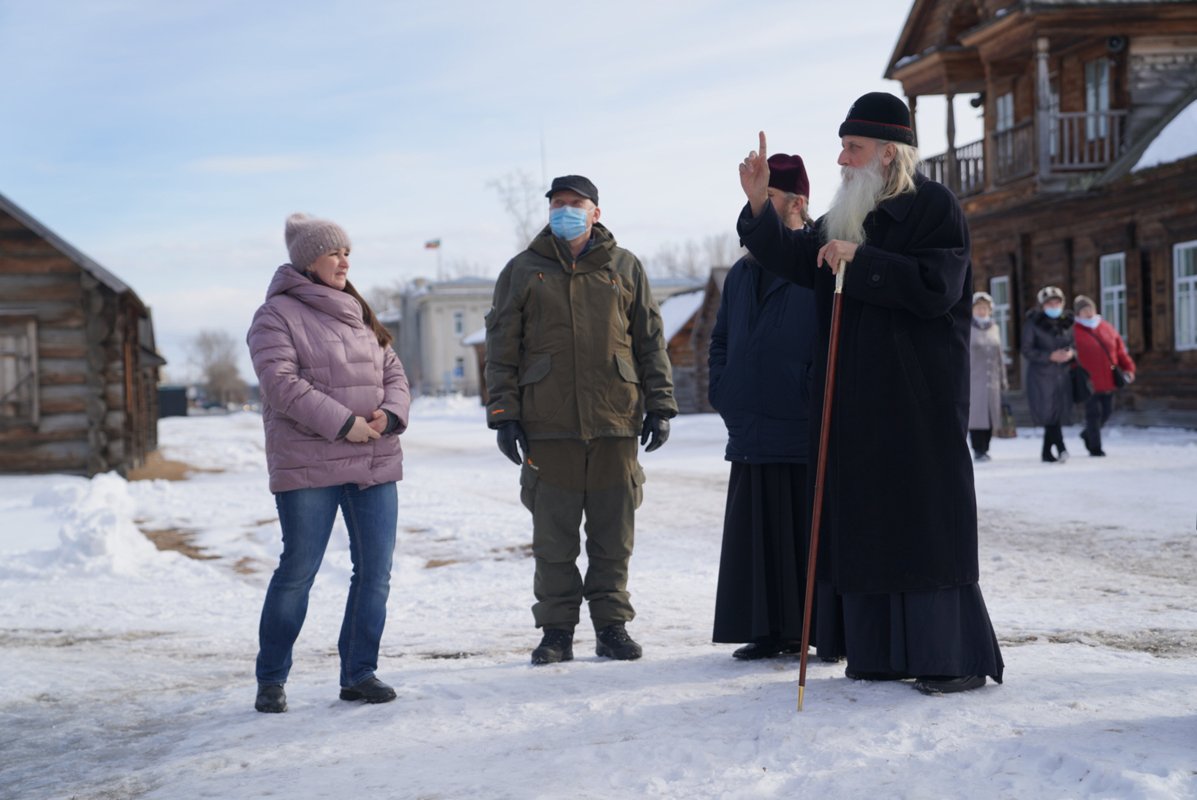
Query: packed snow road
[{"x": 127, "y": 672}]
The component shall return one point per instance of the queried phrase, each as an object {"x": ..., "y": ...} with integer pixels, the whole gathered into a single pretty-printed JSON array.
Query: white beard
[{"x": 853, "y": 201}]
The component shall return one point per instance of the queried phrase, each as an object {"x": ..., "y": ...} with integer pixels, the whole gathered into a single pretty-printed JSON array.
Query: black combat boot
[
  {"x": 556, "y": 645},
  {"x": 614, "y": 642}
]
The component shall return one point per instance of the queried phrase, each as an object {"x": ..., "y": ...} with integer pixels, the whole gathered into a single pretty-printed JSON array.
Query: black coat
[
  {"x": 1048, "y": 384},
  {"x": 900, "y": 509},
  {"x": 760, "y": 366}
]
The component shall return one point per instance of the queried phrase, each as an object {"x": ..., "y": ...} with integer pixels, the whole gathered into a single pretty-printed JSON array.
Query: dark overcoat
[
  {"x": 900, "y": 508},
  {"x": 1048, "y": 384},
  {"x": 760, "y": 366}
]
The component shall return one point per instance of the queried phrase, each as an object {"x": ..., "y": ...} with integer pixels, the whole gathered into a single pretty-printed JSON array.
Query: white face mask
[{"x": 981, "y": 317}]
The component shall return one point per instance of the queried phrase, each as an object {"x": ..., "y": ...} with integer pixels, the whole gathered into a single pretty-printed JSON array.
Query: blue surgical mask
[
  {"x": 1091, "y": 322},
  {"x": 1054, "y": 313},
  {"x": 567, "y": 222}
]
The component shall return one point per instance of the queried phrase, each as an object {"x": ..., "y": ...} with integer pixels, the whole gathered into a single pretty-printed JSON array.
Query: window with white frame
[
  {"x": 18, "y": 369},
  {"x": 459, "y": 322},
  {"x": 999, "y": 290},
  {"x": 1113, "y": 290},
  {"x": 459, "y": 367},
  {"x": 1184, "y": 267},
  {"x": 1097, "y": 97}
]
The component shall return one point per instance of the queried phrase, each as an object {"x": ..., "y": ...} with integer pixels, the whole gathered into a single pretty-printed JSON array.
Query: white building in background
[{"x": 436, "y": 317}]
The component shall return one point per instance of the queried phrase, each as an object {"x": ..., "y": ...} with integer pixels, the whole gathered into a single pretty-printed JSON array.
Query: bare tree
[
  {"x": 385, "y": 298},
  {"x": 722, "y": 249},
  {"x": 673, "y": 260},
  {"x": 215, "y": 354},
  {"x": 523, "y": 200}
]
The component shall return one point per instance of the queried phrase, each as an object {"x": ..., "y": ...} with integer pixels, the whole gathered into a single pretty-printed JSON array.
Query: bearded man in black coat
[{"x": 897, "y": 573}]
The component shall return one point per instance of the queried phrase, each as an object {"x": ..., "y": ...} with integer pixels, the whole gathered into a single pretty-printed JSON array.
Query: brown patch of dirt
[
  {"x": 178, "y": 541},
  {"x": 245, "y": 566},
  {"x": 433, "y": 563},
  {"x": 157, "y": 467}
]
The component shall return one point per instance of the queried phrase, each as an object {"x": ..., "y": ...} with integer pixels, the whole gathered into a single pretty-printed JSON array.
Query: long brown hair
[{"x": 370, "y": 318}]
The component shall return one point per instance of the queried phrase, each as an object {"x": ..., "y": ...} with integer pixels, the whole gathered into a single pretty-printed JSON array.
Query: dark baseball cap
[{"x": 574, "y": 183}]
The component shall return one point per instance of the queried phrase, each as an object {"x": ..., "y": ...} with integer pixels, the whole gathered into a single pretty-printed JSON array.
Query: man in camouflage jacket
[{"x": 576, "y": 368}]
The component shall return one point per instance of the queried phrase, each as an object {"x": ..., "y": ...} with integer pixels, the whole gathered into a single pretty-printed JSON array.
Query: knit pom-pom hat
[{"x": 308, "y": 238}]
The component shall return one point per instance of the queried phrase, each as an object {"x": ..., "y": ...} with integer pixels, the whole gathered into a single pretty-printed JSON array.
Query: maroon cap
[{"x": 788, "y": 174}]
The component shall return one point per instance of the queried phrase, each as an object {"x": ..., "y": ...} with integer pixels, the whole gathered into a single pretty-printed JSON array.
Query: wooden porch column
[
  {"x": 953, "y": 170},
  {"x": 1043, "y": 99}
]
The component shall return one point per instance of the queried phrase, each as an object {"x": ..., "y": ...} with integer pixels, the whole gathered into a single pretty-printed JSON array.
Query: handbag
[
  {"x": 1006, "y": 430},
  {"x": 1116, "y": 372},
  {"x": 1082, "y": 384}
]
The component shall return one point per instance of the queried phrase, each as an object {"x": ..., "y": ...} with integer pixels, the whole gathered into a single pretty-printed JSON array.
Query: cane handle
[{"x": 839, "y": 278}]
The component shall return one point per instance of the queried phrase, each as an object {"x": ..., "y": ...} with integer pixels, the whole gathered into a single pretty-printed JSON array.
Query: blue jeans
[{"x": 307, "y": 517}]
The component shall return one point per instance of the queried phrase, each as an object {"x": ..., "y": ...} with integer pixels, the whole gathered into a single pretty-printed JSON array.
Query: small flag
[{"x": 432, "y": 244}]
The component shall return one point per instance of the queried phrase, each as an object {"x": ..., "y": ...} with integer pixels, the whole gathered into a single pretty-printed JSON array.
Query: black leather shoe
[
  {"x": 873, "y": 676},
  {"x": 271, "y": 698},
  {"x": 939, "y": 684},
  {"x": 556, "y": 645},
  {"x": 614, "y": 642},
  {"x": 371, "y": 690},
  {"x": 754, "y": 650}
]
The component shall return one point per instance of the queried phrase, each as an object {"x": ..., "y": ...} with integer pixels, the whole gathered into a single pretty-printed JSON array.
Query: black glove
[
  {"x": 511, "y": 434},
  {"x": 656, "y": 429}
]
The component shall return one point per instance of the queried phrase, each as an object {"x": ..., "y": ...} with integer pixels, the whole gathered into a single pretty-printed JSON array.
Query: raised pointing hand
[{"x": 754, "y": 176}]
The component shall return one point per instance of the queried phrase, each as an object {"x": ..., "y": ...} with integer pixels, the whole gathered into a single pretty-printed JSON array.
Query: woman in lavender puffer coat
[{"x": 334, "y": 401}]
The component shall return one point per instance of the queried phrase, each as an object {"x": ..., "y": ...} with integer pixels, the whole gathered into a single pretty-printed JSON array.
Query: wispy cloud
[{"x": 250, "y": 165}]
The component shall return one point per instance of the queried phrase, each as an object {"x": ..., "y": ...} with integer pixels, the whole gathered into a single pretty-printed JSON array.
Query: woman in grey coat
[
  {"x": 987, "y": 378},
  {"x": 1047, "y": 348}
]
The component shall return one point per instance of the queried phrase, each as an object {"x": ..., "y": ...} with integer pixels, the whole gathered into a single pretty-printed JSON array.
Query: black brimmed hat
[
  {"x": 879, "y": 115},
  {"x": 574, "y": 183}
]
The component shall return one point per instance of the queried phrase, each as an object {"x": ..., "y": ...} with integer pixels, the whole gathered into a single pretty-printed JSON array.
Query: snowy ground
[{"x": 127, "y": 672}]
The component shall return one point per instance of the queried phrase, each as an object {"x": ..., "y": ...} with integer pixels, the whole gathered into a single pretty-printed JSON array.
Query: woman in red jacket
[{"x": 1099, "y": 349}]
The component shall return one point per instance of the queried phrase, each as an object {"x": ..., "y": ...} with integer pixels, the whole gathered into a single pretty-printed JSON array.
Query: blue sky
[{"x": 169, "y": 141}]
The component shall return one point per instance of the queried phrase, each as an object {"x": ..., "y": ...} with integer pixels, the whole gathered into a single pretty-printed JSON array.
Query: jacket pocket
[
  {"x": 622, "y": 392},
  {"x": 540, "y": 399},
  {"x": 626, "y": 370}
]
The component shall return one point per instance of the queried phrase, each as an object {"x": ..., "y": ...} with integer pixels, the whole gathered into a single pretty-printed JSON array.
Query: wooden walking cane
[{"x": 837, "y": 311}]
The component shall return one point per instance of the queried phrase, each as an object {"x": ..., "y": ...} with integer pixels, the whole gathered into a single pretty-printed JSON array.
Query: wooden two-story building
[
  {"x": 1086, "y": 176},
  {"x": 78, "y": 364}
]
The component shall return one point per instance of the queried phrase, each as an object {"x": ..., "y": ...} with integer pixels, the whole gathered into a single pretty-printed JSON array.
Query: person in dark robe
[
  {"x": 897, "y": 590},
  {"x": 760, "y": 363}
]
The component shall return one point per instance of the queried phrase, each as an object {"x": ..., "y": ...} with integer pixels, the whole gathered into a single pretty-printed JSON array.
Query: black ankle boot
[
  {"x": 371, "y": 690},
  {"x": 614, "y": 642},
  {"x": 271, "y": 698},
  {"x": 556, "y": 645}
]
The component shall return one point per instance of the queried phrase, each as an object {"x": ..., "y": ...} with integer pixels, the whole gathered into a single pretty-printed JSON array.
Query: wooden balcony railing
[
  {"x": 1083, "y": 140},
  {"x": 1075, "y": 141},
  {"x": 968, "y": 175}
]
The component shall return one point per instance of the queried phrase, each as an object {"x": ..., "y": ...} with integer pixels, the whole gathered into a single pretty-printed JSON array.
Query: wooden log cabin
[
  {"x": 78, "y": 364},
  {"x": 1058, "y": 191}
]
